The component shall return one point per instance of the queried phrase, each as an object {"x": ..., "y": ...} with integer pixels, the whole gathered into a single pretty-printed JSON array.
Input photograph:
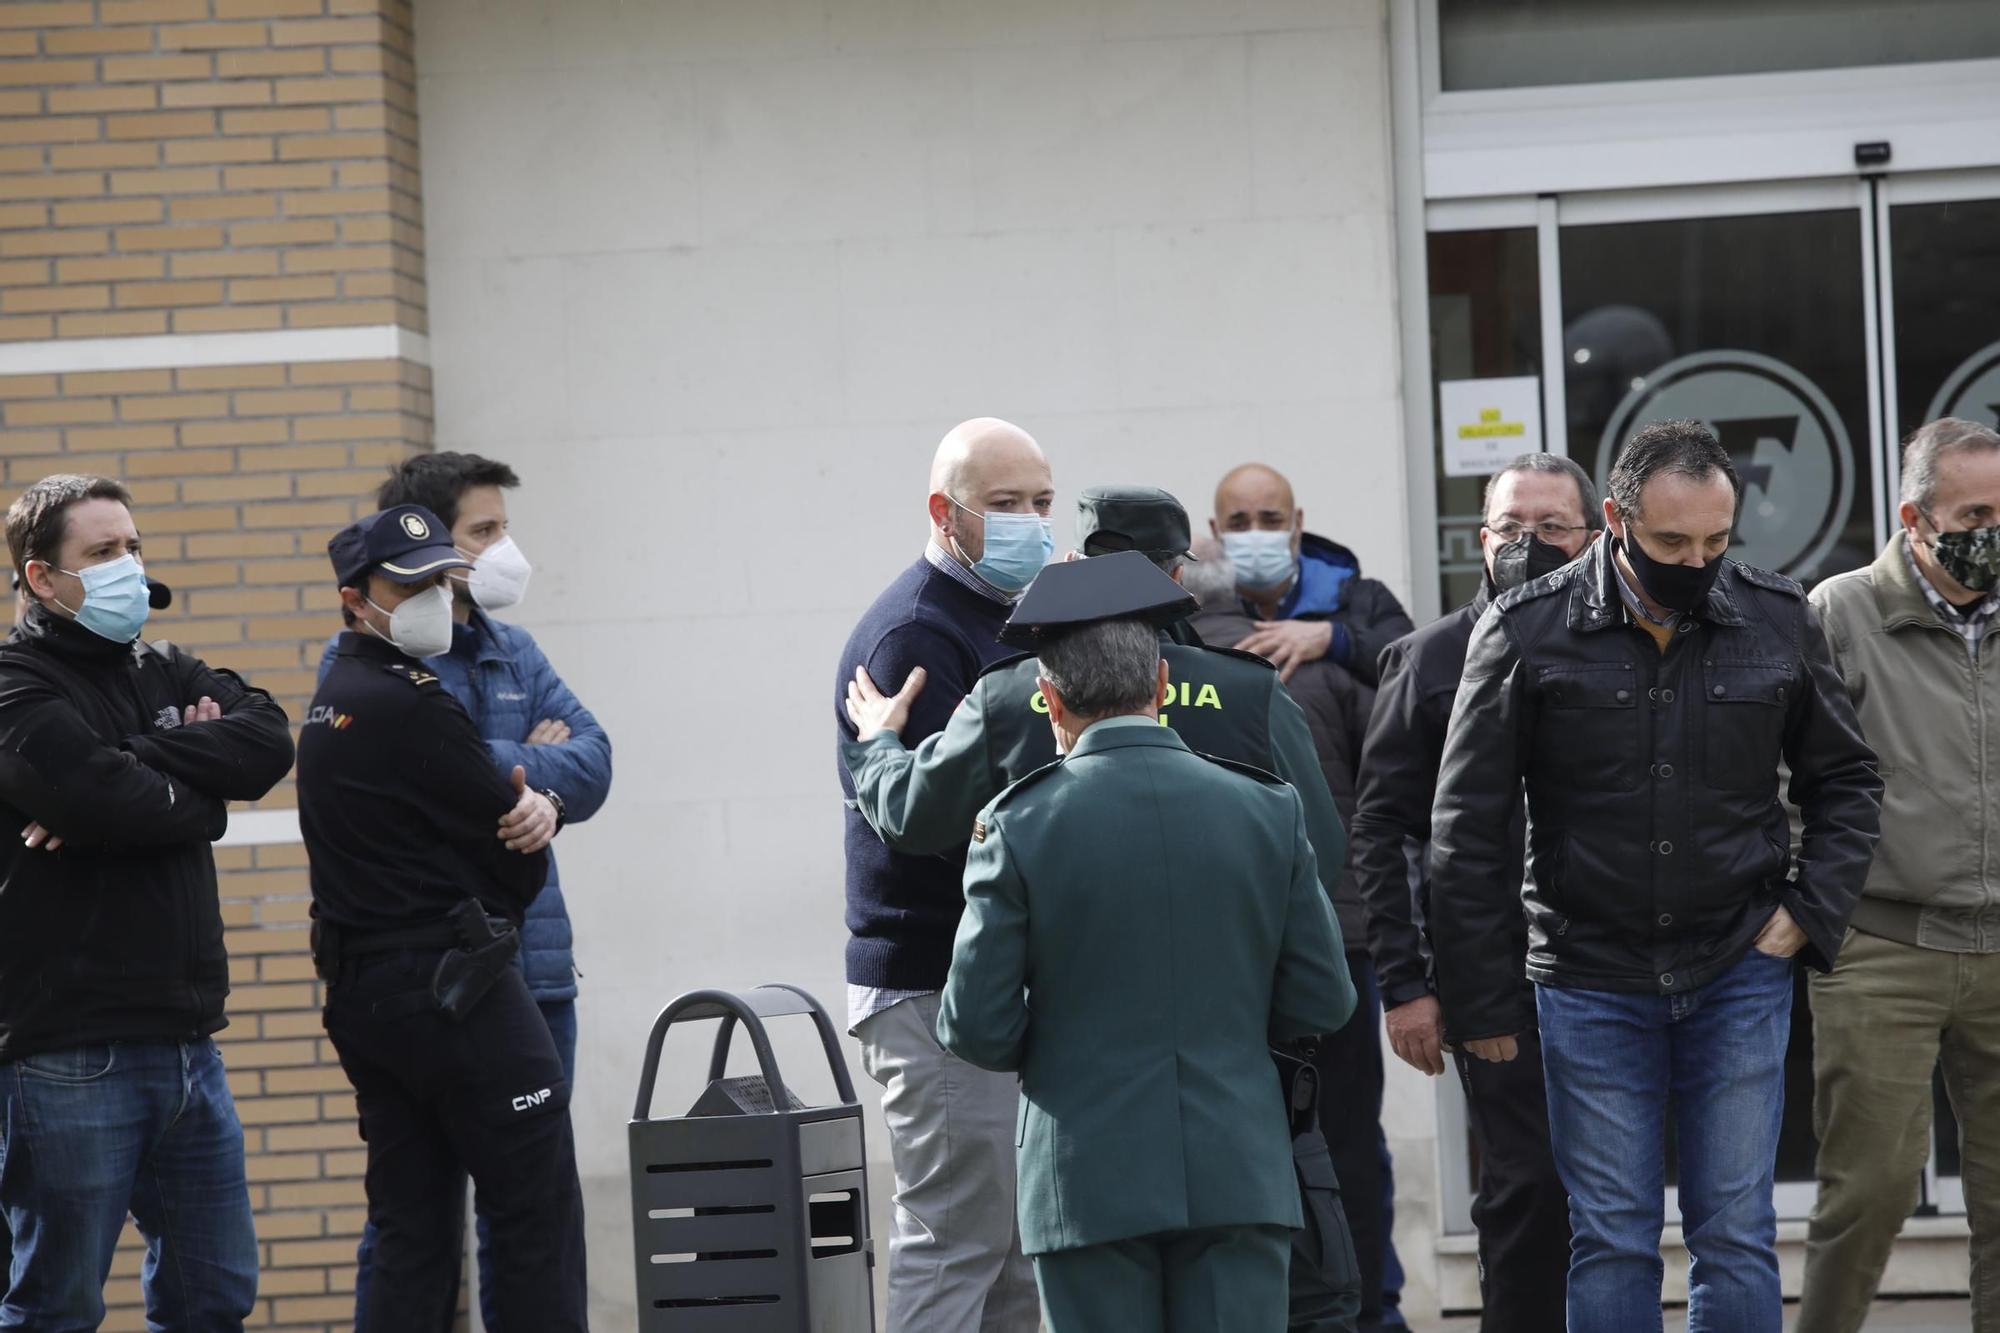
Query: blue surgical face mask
[
  {"x": 115, "y": 598},
  {"x": 1017, "y": 546},
  {"x": 1263, "y": 560}
]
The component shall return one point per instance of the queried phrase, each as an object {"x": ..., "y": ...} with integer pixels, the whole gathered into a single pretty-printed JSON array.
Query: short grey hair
[
  {"x": 1107, "y": 668},
  {"x": 1927, "y": 444},
  {"x": 1209, "y": 578},
  {"x": 1555, "y": 464}
]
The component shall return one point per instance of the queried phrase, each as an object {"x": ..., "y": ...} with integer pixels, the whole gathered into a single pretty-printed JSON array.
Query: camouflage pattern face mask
[{"x": 1972, "y": 558}]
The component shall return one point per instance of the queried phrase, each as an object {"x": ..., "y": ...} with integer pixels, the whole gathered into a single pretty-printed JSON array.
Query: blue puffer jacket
[{"x": 499, "y": 674}]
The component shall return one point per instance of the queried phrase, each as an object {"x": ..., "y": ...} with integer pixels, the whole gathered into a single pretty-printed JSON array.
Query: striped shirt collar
[
  {"x": 1634, "y": 605},
  {"x": 1969, "y": 623},
  {"x": 942, "y": 561}
]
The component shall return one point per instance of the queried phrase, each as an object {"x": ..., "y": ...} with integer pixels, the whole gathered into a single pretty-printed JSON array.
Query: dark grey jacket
[
  {"x": 1336, "y": 705},
  {"x": 1658, "y": 847}
]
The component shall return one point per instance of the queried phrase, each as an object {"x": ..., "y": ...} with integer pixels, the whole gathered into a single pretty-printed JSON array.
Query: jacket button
[
  {"x": 1666, "y": 770},
  {"x": 1666, "y": 918},
  {"x": 1666, "y": 696},
  {"x": 1717, "y": 691},
  {"x": 1664, "y": 848},
  {"x": 1654, "y": 695},
  {"x": 1666, "y": 979},
  {"x": 1624, "y": 696},
  {"x": 1684, "y": 627},
  {"x": 1781, "y": 694}
]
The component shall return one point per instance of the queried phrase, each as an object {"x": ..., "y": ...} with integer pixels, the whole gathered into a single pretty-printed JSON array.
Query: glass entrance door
[
  {"x": 1811, "y": 326},
  {"x": 1754, "y": 323}
]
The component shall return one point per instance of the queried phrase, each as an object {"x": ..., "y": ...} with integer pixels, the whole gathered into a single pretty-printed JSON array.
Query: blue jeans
[
  {"x": 92, "y": 1132},
  {"x": 1615, "y": 1063},
  {"x": 561, "y": 1018}
]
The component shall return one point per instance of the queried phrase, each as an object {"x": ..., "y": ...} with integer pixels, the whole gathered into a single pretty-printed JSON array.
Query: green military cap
[
  {"x": 1131, "y": 518},
  {"x": 1124, "y": 585}
]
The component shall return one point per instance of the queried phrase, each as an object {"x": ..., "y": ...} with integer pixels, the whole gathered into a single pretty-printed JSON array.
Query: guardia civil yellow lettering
[{"x": 1180, "y": 694}]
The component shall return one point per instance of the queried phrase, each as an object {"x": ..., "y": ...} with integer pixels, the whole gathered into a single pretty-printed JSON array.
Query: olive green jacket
[
  {"x": 1933, "y": 719},
  {"x": 1140, "y": 923},
  {"x": 1223, "y": 703}
]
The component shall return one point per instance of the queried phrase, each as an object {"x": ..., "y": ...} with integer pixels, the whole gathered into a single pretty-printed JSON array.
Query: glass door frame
[{"x": 1870, "y": 199}]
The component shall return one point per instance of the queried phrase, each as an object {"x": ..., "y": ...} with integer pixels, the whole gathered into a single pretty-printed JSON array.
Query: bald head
[
  {"x": 1256, "y": 499},
  {"x": 972, "y": 449},
  {"x": 1250, "y": 490},
  {"x": 985, "y": 466}
]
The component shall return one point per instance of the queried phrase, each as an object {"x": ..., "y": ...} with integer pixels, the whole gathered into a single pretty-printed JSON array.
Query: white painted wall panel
[{"x": 716, "y": 275}]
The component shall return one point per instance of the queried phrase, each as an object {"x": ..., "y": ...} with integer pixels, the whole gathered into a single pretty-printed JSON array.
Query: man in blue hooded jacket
[
  {"x": 525, "y": 714},
  {"x": 1307, "y": 591}
]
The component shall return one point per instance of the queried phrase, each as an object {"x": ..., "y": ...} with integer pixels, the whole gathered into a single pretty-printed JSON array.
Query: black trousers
[
  {"x": 1522, "y": 1210},
  {"x": 1350, "y": 1113},
  {"x": 440, "y": 1100}
]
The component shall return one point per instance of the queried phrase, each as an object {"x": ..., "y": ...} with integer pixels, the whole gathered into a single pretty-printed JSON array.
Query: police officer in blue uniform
[
  {"x": 1224, "y": 704},
  {"x": 424, "y": 859}
]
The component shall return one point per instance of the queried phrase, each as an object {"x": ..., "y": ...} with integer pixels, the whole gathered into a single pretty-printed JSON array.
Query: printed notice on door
[{"x": 1486, "y": 423}]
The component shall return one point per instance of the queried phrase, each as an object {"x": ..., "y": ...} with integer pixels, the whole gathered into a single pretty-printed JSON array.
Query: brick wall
[
  {"x": 196, "y": 167},
  {"x": 201, "y": 166}
]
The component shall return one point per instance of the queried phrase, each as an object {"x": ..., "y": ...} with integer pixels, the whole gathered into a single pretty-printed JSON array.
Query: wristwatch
[{"x": 562, "y": 811}]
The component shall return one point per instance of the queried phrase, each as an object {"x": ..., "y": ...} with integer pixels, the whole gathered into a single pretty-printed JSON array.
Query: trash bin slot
[
  {"x": 667, "y": 1214},
  {"x": 704, "y": 1233},
  {"x": 669, "y": 1168},
  {"x": 710, "y": 1189},
  {"x": 830, "y": 1145},
  {"x": 714, "y": 1302},
  {"x": 835, "y": 1219},
  {"x": 709, "y": 1256},
  {"x": 707, "y": 1277}
]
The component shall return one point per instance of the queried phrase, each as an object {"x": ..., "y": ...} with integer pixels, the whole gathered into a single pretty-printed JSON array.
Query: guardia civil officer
[
  {"x": 1221, "y": 702},
  {"x": 424, "y": 859},
  {"x": 1139, "y": 922}
]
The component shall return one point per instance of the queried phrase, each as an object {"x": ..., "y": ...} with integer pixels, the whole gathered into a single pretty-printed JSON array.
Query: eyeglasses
[{"x": 1551, "y": 531}]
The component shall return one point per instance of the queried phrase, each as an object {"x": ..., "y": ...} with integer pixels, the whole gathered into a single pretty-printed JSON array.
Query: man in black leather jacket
[
  {"x": 1647, "y": 695},
  {"x": 1540, "y": 514}
]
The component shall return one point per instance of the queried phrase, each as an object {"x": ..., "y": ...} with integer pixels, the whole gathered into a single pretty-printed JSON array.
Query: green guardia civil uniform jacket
[
  {"x": 1224, "y": 703},
  {"x": 1141, "y": 922}
]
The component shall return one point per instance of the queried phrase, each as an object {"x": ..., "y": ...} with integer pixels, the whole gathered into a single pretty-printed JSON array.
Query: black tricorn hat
[{"x": 1123, "y": 585}]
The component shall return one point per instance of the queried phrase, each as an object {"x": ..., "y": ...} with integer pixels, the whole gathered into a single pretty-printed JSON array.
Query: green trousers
[
  {"x": 1221, "y": 1280},
  {"x": 1882, "y": 1020}
]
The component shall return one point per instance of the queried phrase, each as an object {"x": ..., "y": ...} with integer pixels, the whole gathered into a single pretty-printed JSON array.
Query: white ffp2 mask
[
  {"x": 420, "y": 625},
  {"x": 499, "y": 577}
]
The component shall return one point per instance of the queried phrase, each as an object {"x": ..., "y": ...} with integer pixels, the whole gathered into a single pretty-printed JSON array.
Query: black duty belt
[{"x": 331, "y": 943}]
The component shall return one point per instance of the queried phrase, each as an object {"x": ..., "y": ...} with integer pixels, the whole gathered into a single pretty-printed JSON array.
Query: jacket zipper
[{"x": 1985, "y": 796}]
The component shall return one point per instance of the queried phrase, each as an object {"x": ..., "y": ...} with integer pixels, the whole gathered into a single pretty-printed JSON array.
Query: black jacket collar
[
  {"x": 1595, "y": 602},
  {"x": 66, "y": 639}
]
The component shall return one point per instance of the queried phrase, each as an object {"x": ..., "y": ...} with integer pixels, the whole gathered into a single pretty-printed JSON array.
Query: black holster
[
  {"x": 466, "y": 972},
  {"x": 1298, "y": 1081}
]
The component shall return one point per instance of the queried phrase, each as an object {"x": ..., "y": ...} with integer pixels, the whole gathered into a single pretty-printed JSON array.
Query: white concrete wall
[{"x": 715, "y": 275}]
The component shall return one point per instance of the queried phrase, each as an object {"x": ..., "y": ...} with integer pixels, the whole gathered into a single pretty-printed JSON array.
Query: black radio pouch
[
  {"x": 465, "y": 973},
  {"x": 1299, "y": 1083}
]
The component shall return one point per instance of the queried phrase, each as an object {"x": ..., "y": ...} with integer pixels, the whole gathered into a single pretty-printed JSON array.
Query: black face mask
[
  {"x": 1681, "y": 588},
  {"x": 1525, "y": 559}
]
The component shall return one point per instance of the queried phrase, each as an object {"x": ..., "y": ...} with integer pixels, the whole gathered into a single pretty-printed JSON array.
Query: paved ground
[{"x": 1925, "y": 1316}]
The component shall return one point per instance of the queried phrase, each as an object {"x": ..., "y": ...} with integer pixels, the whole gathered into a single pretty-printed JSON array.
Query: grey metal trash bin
[{"x": 750, "y": 1213}]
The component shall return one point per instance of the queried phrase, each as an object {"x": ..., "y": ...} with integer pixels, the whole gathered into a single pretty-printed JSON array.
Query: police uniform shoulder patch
[
  {"x": 415, "y": 675},
  {"x": 1262, "y": 775},
  {"x": 1769, "y": 580}
]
